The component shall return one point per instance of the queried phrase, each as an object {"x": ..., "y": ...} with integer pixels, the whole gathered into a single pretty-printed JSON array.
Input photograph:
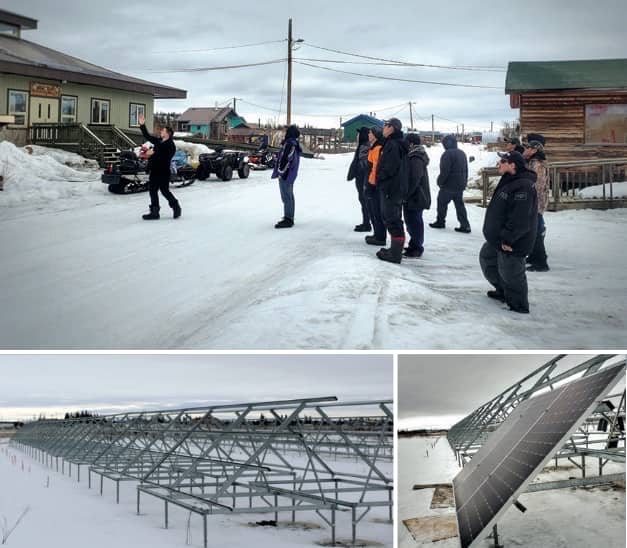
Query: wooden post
[
  {"x": 432, "y": 129},
  {"x": 289, "y": 72},
  {"x": 411, "y": 117}
]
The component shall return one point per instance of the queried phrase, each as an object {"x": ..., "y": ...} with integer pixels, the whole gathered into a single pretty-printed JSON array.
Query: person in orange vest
[{"x": 373, "y": 196}]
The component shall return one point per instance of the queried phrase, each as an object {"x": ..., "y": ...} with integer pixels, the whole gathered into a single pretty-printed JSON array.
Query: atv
[
  {"x": 223, "y": 163},
  {"x": 131, "y": 174}
]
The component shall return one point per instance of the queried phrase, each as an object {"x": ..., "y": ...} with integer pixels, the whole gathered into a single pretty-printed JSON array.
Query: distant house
[
  {"x": 39, "y": 85},
  {"x": 211, "y": 123},
  {"x": 362, "y": 120},
  {"x": 579, "y": 106}
]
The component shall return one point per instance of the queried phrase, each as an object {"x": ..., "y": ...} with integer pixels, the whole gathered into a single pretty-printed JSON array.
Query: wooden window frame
[
  {"x": 26, "y": 113},
  {"x": 130, "y": 113},
  {"x": 75, "y": 97},
  {"x": 91, "y": 111},
  {"x": 585, "y": 126}
]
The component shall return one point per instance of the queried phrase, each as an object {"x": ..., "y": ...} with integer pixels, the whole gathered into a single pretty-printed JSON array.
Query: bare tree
[{"x": 4, "y": 526}]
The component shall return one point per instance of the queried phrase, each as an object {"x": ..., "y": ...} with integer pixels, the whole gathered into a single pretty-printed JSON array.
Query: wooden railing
[
  {"x": 569, "y": 179},
  {"x": 112, "y": 136},
  {"x": 74, "y": 137}
]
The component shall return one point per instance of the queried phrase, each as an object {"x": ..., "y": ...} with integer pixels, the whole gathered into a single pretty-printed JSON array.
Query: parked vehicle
[
  {"x": 262, "y": 159},
  {"x": 223, "y": 163},
  {"x": 130, "y": 175}
]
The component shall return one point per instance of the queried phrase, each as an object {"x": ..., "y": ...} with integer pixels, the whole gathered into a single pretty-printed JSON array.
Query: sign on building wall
[
  {"x": 44, "y": 90},
  {"x": 606, "y": 124}
]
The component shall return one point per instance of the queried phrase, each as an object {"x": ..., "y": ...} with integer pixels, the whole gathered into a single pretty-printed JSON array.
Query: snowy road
[{"x": 86, "y": 272}]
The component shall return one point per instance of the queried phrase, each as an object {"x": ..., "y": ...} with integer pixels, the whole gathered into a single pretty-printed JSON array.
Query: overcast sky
[
  {"x": 440, "y": 390},
  {"x": 142, "y": 37},
  {"x": 53, "y": 384}
]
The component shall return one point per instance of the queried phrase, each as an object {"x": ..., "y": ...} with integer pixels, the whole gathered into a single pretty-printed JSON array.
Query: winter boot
[
  {"x": 464, "y": 229},
  {"x": 538, "y": 268},
  {"x": 284, "y": 223},
  {"x": 394, "y": 253},
  {"x": 437, "y": 224},
  {"x": 412, "y": 252},
  {"x": 176, "y": 210},
  {"x": 153, "y": 215},
  {"x": 362, "y": 228},
  {"x": 373, "y": 240},
  {"x": 497, "y": 295}
]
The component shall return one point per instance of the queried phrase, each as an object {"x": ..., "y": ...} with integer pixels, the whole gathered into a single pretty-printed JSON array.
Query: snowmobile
[
  {"x": 262, "y": 159},
  {"x": 223, "y": 163},
  {"x": 131, "y": 174}
]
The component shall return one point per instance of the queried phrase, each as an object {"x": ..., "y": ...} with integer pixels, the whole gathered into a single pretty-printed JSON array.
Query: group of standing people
[{"x": 392, "y": 182}]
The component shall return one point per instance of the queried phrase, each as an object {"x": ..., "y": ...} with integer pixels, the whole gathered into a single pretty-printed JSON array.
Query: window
[
  {"x": 100, "y": 111},
  {"x": 12, "y": 30},
  {"x": 135, "y": 109},
  {"x": 68, "y": 109},
  {"x": 606, "y": 124},
  {"x": 18, "y": 101}
]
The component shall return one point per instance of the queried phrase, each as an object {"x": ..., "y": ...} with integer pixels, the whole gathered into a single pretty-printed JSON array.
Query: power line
[
  {"x": 221, "y": 48},
  {"x": 399, "y": 79},
  {"x": 223, "y": 67},
  {"x": 409, "y": 64}
]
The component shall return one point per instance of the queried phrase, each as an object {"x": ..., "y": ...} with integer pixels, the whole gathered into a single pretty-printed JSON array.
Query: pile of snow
[
  {"x": 618, "y": 190},
  {"x": 41, "y": 177},
  {"x": 70, "y": 159}
]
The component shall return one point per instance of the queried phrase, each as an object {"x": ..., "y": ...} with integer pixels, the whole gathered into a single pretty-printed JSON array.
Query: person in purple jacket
[{"x": 286, "y": 169}]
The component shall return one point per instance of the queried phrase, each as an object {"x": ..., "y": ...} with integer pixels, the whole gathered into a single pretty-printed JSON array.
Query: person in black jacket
[
  {"x": 392, "y": 182},
  {"x": 452, "y": 181},
  {"x": 509, "y": 227},
  {"x": 159, "y": 167},
  {"x": 418, "y": 195},
  {"x": 358, "y": 171}
]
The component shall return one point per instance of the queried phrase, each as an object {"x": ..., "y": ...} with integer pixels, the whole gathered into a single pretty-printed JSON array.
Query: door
[{"x": 44, "y": 110}]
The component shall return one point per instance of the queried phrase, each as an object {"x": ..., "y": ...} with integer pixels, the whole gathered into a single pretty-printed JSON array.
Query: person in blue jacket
[{"x": 286, "y": 170}]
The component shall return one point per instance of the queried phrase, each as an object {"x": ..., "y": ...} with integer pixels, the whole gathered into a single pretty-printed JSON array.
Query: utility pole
[
  {"x": 289, "y": 72},
  {"x": 491, "y": 127},
  {"x": 432, "y": 129},
  {"x": 411, "y": 117},
  {"x": 235, "y": 104},
  {"x": 462, "y": 133}
]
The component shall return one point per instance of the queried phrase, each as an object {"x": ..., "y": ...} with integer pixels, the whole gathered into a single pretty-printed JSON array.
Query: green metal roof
[{"x": 591, "y": 74}]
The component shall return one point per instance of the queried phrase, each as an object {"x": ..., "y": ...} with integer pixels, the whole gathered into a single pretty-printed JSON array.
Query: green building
[
  {"x": 41, "y": 86},
  {"x": 352, "y": 126}
]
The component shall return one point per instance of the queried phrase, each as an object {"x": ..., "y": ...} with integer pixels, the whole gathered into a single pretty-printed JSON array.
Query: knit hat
[
  {"x": 512, "y": 140},
  {"x": 537, "y": 145},
  {"x": 536, "y": 137},
  {"x": 413, "y": 138}
]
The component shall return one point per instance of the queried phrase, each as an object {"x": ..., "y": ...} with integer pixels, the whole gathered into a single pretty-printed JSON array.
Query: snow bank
[
  {"x": 619, "y": 190},
  {"x": 40, "y": 177},
  {"x": 64, "y": 157}
]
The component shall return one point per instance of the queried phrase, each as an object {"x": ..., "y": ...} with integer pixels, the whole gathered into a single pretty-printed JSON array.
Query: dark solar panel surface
[{"x": 530, "y": 435}]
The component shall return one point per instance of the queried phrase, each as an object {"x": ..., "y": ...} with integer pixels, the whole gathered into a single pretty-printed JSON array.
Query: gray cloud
[{"x": 125, "y": 35}]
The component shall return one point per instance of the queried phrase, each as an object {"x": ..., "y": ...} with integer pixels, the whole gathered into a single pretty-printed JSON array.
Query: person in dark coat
[
  {"x": 418, "y": 195},
  {"x": 358, "y": 171},
  {"x": 286, "y": 169},
  {"x": 159, "y": 167},
  {"x": 452, "y": 181},
  {"x": 392, "y": 182},
  {"x": 509, "y": 228},
  {"x": 373, "y": 192}
]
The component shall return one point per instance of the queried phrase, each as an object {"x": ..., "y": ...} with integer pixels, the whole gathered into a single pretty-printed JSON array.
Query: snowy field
[
  {"x": 563, "y": 518},
  {"x": 80, "y": 269},
  {"x": 63, "y": 513}
]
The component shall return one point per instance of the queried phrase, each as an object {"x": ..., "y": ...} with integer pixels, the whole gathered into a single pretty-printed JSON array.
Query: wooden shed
[
  {"x": 362, "y": 120},
  {"x": 579, "y": 106}
]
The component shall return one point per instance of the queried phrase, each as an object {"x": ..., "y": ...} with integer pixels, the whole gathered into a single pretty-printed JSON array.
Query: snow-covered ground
[
  {"x": 80, "y": 269},
  {"x": 66, "y": 514},
  {"x": 563, "y": 518}
]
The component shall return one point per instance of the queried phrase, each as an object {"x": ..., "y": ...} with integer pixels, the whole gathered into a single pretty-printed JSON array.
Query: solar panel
[{"x": 514, "y": 454}]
